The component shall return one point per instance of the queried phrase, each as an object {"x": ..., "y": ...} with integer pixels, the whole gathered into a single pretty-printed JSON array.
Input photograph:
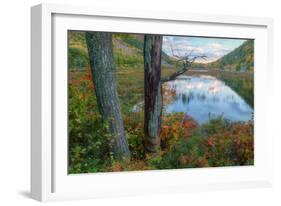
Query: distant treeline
[{"x": 128, "y": 53}]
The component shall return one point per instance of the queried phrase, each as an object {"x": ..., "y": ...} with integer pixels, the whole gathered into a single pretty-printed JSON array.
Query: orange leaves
[
  {"x": 174, "y": 127},
  {"x": 211, "y": 142},
  {"x": 187, "y": 124},
  {"x": 130, "y": 165},
  {"x": 78, "y": 78},
  {"x": 116, "y": 167},
  {"x": 88, "y": 75},
  {"x": 165, "y": 131},
  {"x": 190, "y": 124},
  {"x": 232, "y": 146},
  {"x": 171, "y": 130}
]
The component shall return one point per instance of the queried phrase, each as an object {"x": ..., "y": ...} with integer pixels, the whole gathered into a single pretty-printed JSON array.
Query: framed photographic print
[{"x": 137, "y": 102}]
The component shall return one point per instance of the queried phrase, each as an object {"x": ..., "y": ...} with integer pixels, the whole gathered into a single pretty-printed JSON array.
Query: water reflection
[{"x": 202, "y": 97}]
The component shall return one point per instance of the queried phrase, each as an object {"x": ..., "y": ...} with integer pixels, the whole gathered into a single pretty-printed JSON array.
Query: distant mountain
[
  {"x": 128, "y": 52},
  {"x": 240, "y": 59}
]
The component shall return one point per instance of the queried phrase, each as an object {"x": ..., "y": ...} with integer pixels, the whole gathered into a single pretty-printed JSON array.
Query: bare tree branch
[
  {"x": 187, "y": 63},
  {"x": 173, "y": 52}
]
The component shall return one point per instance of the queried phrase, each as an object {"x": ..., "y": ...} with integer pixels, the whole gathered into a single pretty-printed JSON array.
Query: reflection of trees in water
[
  {"x": 229, "y": 98},
  {"x": 202, "y": 95},
  {"x": 215, "y": 99},
  {"x": 187, "y": 97}
]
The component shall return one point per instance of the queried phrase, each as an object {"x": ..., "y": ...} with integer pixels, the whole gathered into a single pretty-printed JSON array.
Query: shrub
[
  {"x": 88, "y": 138},
  {"x": 184, "y": 143},
  {"x": 134, "y": 128},
  {"x": 216, "y": 143},
  {"x": 77, "y": 57}
]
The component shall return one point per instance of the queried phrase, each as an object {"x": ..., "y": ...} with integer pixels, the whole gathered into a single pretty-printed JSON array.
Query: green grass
[
  {"x": 127, "y": 61},
  {"x": 130, "y": 40},
  {"x": 77, "y": 58},
  {"x": 131, "y": 86}
]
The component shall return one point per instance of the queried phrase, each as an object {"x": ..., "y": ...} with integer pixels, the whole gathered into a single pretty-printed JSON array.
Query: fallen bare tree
[{"x": 186, "y": 62}]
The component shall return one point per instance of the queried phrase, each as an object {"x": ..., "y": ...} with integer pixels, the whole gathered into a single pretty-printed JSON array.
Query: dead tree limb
[{"x": 187, "y": 61}]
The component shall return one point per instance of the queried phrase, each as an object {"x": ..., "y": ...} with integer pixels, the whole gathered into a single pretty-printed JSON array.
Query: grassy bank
[{"x": 131, "y": 86}]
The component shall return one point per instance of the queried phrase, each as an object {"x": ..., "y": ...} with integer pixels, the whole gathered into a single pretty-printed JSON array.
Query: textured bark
[
  {"x": 101, "y": 60},
  {"x": 152, "y": 92}
]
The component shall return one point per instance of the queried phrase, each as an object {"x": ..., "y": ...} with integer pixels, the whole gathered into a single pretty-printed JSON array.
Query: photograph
[{"x": 140, "y": 102}]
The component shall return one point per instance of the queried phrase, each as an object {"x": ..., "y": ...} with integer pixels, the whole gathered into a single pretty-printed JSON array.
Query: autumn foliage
[{"x": 184, "y": 143}]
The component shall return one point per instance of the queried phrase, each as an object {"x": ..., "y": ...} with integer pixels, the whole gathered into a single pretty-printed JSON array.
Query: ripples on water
[{"x": 202, "y": 97}]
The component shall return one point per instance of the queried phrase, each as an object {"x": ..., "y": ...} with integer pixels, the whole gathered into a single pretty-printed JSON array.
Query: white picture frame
[{"x": 49, "y": 178}]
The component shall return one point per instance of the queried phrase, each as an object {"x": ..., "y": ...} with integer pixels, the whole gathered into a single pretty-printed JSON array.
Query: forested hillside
[
  {"x": 240, "y": 59},
  {"x": 128, "y": 51}
]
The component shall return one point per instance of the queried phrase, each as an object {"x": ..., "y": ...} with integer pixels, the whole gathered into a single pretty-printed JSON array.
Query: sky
[{"x": 213, "y": 48}]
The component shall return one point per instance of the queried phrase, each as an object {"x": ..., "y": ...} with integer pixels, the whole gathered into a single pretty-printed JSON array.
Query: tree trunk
[
  {"x": 102, "y": 64},
  {"x": 152, "y": 92}
]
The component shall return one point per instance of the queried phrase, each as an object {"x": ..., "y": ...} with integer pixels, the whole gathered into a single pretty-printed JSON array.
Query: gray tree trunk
[
  {"x": 102, "y": 64},
  {"x": 152, "y": 92}
]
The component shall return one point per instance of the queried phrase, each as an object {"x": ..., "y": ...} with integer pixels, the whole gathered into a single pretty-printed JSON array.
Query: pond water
[{"x": 204, "y": 97}]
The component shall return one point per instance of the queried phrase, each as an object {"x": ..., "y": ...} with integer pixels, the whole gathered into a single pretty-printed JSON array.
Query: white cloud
[
  {"x": 216, "y": 46},
  {"x": 209, "y": 47}
]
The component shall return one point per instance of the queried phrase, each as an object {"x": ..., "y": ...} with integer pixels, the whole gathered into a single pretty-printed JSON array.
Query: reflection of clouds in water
[{"x": 200, "y": 96}]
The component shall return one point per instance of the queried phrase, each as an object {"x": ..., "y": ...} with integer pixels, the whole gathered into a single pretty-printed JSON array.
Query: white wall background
[{"x": 15, "y": 101}]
